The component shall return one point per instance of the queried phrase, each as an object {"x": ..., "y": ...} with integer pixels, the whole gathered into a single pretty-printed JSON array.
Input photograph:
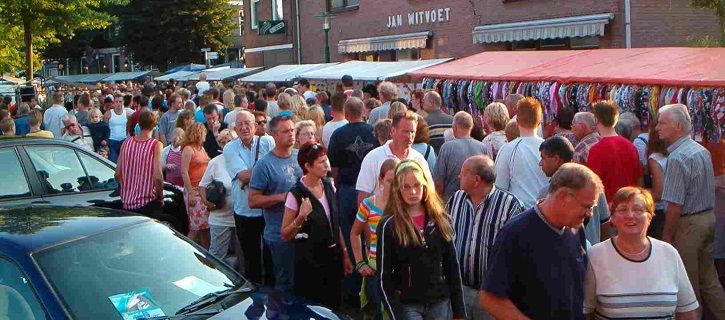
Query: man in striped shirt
[
  {"x": 689, "y": 190},
  {"x": 478, "y": 211}
]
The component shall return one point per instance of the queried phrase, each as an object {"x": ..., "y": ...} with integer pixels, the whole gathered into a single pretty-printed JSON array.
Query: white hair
[
  {"x": 69, "y": 117},
  {"x": 587, "y": 119},
  {"x": 679, "y": 115}
]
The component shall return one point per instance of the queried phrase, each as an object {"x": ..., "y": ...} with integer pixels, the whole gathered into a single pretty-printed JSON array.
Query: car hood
[{"x": 274, "y": 305}]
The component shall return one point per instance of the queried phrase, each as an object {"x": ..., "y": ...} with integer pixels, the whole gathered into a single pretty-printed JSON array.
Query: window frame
[
  {"x": 31, "y": 287},
  {"x": 254, "y": 14},
  {"x": 28, "y": 181},
  {"x": 83, "y": 167},
  {"x": 240, "y": 21},
  {"x": 345, "y": 7},
  {"x": 276, "y": 15}
]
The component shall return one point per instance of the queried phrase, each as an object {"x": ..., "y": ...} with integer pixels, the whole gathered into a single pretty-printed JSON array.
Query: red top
[
  {"x": 419, "y": 221},
  {"x": 615, "y": 161},
  {"x": 137, "y": 188}
]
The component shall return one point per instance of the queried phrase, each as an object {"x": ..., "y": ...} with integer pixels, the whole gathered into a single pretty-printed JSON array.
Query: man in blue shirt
[
  {"x": 539, "y": 262},
  {"x": 241, "y": 156},
  {"x": 272, "y": 177}
]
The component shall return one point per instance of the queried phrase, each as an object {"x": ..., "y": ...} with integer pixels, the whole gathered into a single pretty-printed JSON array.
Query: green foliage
[
  {"x": 718, "y": 8},
  {"x": 47, "y": 21},
  {"x": 706, "y": 42},
  {"x": 174, "y": 31}
]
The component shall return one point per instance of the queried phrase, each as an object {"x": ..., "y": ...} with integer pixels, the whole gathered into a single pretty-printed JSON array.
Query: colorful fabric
[{"x": 196, "y": 210}]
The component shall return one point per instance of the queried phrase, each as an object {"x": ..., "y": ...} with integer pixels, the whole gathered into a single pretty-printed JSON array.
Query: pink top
[
  {"x": 137, "y": 188},
  {"x": 173, "y": 168},
  {"x": 291, "y": 203},
  {"x": 419, "y": 221}
]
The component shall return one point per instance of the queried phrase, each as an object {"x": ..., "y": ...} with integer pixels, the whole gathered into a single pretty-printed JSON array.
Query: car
[
  {"x": 58, "y": 172},
  {"x": 98, "y": 263}
]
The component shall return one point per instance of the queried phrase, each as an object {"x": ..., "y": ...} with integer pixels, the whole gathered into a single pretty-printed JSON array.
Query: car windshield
[{"x": 140, "y": 270}]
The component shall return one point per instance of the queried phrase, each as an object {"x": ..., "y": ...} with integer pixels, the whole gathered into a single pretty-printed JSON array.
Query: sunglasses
[{"x": 261, "y": 122}]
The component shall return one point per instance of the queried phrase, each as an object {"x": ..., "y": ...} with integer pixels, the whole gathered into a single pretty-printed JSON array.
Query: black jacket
[
  {"x": 321, "y": 233},
  {"x": 418, "y": 274}
]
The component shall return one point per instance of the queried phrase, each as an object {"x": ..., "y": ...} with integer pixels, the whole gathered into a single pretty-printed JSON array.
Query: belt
[{"x": 696, "y": 213}]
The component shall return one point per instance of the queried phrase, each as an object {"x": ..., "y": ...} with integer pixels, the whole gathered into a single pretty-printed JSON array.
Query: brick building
[{"x": 392, "y": 30}]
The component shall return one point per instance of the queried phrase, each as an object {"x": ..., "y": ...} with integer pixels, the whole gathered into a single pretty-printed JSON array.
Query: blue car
[{"x": 99, "y": 263}]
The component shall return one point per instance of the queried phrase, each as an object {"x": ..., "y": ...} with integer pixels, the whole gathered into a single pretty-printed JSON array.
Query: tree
[
  {"x": 174, "y": 31},
  {"x": 718, "y": 7},
  {"x": 44, "y": 21}
]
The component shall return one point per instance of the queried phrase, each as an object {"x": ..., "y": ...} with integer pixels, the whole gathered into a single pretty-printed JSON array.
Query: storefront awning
[
  {"x": 370, "y": 70},
  {"x": 285, "y": 72},
  {"x": 392, "y": 42},
  {"x": 568, "y": 27}
]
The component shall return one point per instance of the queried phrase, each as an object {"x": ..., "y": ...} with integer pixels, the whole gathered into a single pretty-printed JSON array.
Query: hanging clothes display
[{"x": 706, "y": 105}]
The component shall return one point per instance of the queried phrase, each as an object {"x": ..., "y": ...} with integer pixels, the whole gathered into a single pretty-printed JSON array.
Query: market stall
[
  {"x": 285, "y": 72},
  {"x": 220, "y": 74},
  {"x": 639, "y": 80}
]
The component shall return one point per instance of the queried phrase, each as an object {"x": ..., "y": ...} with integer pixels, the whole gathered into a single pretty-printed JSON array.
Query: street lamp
[{"x": 326, "y": 28}]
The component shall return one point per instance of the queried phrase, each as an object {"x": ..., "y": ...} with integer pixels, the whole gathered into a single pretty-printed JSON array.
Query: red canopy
[{"x": 646, "y": 66}]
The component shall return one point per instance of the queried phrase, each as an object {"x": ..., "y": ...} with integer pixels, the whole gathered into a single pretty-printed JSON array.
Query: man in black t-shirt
[
  {"x": 213, "y": 127},
  {"x": 348, "y": 147}
]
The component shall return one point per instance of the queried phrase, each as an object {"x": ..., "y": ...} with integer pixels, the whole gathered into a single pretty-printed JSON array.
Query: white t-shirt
[
  {"x": 329, "y": 128},
  {"x": 202, "y": 86},
  {"x": 641, "y": 144},
  {"x": 53, "y": 119},
  {"x": 367, "y": 180},
  {"x": 518, "y": 171},
  {"x": 217, "y": 170},
  {"x": 272, "y": 109},
  {"x": 231, "y": 118},
  {"x": 655, "y": 288}
]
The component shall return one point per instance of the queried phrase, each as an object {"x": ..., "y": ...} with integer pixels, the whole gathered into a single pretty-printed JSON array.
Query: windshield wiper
[{"x": 203, "y": 302}]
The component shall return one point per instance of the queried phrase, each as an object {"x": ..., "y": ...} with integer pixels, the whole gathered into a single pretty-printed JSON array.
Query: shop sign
[
  {"x": 419, "y": 18},
  {"x": 271, "y": 27}
]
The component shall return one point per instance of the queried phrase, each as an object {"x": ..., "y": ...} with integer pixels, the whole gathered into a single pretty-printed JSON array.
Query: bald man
[{"x": 453, "y": 153}]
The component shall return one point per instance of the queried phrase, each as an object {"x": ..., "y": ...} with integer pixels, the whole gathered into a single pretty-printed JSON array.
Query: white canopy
[
  {"x": 285, "y": 72},
  {"x": 228, "y": 73},
  {"x": 370, "y": 70},
  {"x": 178, "y": 75},
  {"x": 125, "y": 76}
]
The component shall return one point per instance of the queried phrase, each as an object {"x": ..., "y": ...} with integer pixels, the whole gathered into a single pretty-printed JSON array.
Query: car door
[
  {"x": 15, "y": 188},
  {"x": 73, "y": 177}
]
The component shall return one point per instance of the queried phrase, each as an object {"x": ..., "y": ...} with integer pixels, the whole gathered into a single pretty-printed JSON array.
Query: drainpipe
[
  {"x": 297, "y": 22},
  {"x": 627, "y": 23}
]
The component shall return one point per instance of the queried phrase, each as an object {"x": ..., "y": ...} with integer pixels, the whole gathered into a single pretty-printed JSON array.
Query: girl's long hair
[{"x": 405, "y": 232}]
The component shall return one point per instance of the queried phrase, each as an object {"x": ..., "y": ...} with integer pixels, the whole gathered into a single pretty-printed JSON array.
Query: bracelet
[{"x": 360, "y": 264}]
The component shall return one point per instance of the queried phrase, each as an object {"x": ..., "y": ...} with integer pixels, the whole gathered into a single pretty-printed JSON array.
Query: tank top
[
  {"x": 137, "y": 188},
  {"x": 197, "y": 166},
  {"x": 173, "y": 168},
  {"x": 117, "y": 124}
]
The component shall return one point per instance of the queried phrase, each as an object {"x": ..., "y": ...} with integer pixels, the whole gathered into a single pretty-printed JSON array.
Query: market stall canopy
[
  {"x": 223, "y": 74},
  {"x": 178, "y": 76},
  {"x": 643, "y": 66},
  {"x": 187, "y": 67},
  {"x": 370, "y": 70},
  {"x": 126, "y": 76},
  {"x": 285, "y": 72}
]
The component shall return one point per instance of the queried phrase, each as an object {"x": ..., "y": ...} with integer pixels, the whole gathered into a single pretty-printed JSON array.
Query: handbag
[{"x": 216, "y": 193}]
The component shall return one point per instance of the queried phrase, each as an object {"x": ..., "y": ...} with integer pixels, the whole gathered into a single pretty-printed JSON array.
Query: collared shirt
[
  {"x": 475, "y": 229},
  {"x": 689, "y": 177},
  {"x": 239, "y": 158},
  {"x": 581, "y": 152},
  {"x": 378, "y": 113},
  {"x": 367, "y": 180}
]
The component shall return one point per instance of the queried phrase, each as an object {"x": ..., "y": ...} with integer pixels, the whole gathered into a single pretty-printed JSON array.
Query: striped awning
[
  {"x": 568, "y": 27},
  {"x": 392, "y": 42}
]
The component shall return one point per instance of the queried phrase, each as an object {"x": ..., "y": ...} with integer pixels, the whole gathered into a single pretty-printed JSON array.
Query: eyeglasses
[{"x": 261, "y": 122}]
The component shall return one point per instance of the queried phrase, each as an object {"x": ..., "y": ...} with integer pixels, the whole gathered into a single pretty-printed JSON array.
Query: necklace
[{"x": 646, "y": 246}]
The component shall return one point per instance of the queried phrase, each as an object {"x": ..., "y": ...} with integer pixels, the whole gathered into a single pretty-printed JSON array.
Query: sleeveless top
[
  {"x": 173, "y": 175},
  {"x": 117, "y": 124},
  {"x": 197, "y": 166},
  {"x": 137, "y": 188}
]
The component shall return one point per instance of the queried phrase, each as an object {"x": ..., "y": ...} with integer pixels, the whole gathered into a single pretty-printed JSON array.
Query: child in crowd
[{"x": 100, "y": 132}]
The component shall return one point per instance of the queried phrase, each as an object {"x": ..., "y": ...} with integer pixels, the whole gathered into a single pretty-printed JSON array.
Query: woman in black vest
[{"x": 312, "y": 222}]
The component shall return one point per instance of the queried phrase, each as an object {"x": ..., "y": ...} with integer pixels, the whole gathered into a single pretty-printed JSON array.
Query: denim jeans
[
  {"x": 440, "y": 310},
  {"x": 347, "y": 197},
  {"x": 114, "y": 147},
  {"x": 474, "y": 310},
  {"x": 283, "y": 263}
]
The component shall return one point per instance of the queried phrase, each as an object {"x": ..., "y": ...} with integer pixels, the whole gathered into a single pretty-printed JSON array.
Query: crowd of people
[{"x": 412, "y": 211}]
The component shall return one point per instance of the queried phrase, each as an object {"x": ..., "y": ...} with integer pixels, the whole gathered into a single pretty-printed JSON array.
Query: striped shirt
[
  {"x": 581, "y": 151},
  {"x": 619, "y": 288},
  {"x": 689, "y": 177},
  {"x": 137, "y": 188},
  {"x": 476, "y": 228},
  {"x": 370, "y": 214}
]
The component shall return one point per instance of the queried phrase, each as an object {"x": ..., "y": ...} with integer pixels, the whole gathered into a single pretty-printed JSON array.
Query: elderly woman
[
  {"x": 495, "y": 119},
  {"x": 635, "y": 276},
  {"x": 221, "y": 219},
  {"x": 311, "y": 221},
  {"x": 305, "y": 131}
]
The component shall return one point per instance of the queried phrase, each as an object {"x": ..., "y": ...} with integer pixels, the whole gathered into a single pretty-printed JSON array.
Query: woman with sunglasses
[
  {"x": 417, "y": 264},
  {"x": 635, "y": 276},
  {"x": 312, "y": 222}
]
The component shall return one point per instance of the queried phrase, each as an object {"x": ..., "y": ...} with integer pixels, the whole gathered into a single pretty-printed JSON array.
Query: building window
[
  {"x": 241, "y": 23},
  {"x": 407, "y": 54},
  {"x": 556, "y": 44},
  {"x": 335, "y": 5},
  {"x": 255, "y": 14},
  {"x": 277, "y": 10}
]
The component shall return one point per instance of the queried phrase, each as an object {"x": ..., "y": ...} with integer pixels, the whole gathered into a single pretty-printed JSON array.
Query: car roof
[
  {"x": 32, "y": 228},
  {"x": 23, "y": 140}
]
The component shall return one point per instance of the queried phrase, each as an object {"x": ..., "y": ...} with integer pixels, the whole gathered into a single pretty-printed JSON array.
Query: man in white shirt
[
  {"x": 517, "y": 163},
  {"x": 202, "y": 85},
  {"x": 53, "y": 117},
  {"x": 303, "y": 87},
  {"x": 73, "y": 132},
  {"x": 338, "y": 118},
  {"x": 403, "y": 132}
]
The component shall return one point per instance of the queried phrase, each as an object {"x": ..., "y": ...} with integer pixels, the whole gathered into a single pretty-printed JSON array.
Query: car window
[
  {"x": 12, "y": 171},
  {"x": 58, "y": 168},
  {"x": 101, "y": 175},
  {"x": 15, "y": 291}
]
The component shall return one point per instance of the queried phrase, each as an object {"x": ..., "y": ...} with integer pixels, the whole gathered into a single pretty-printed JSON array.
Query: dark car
[
  {"x": 97, "y": 263},
  {"x": 58, "y": 172}
]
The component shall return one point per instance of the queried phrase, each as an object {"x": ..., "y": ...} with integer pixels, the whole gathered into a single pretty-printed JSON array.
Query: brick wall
[
  {"x": 657, "y": 23},
  {"x": 253, "y": 40}
]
